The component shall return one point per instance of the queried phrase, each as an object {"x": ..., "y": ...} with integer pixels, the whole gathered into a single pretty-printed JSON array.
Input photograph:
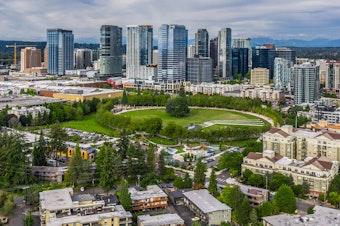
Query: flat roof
[
  {"x": 205, "y": 201},
  {"x": 26, "y": 101},
  {"x": 152, "y": 191},
  {"x": 164, "y": 219},
  {"x": 56, "y": 199}
]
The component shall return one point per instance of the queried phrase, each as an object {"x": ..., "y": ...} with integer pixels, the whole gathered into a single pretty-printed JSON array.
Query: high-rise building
[
  {"x": 286, "y": 53},
  {"x": 259, "y": 76},
  {"x": 332, "y": 75},
  {"x": 110, "y": 51},
  {"x": 172, "y": 52},
  {"x": 282, "y": 74},
  {"x": 224, "y": 54},
  {"x": 60, "y": 44},
  {"x": 214, "y": 53},
  {"x": 82, "y": 58},
  {"x": 191, "y": 51},
  {"x": 202, "y": 42},
  {"x": 263, "y": 57},
  {"x": 306, "y": 83},
  {"x": 30, "y": 57},
  {"x": 199, "y": 69},
  {"x": 244, "y": 43},
  {"x": 239, "y": 62}
]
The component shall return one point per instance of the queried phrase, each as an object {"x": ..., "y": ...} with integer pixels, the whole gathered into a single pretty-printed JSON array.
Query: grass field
[
  {"x": 89, "y": 124},
  {"x": 197, "y": 116}
]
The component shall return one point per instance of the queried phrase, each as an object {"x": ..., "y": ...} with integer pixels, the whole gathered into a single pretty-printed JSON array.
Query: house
[{"x": 151, "y": 198}]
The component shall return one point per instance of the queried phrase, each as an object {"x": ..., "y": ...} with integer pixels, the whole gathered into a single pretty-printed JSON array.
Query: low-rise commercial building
[
  {"x": 151, "y": 198},
  {"x": 207, "y": 207},
  {"x": 160, "y": 220}
]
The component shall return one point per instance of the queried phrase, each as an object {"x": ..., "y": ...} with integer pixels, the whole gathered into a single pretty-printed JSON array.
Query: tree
[
  {"x": 178, "y": 183},
  {"x": 212, "y": 188},
  {"x": 256, "y": 180},
  {"x": 187, "y": 181},
  {"x": 177, "y": 107},
  {"x": 58, "y": 136},
  {"x": 123, "y": 143},
  {"x": 161, "y": 165},
  {"x": 242, "y": 213},
  {"x": 267, "y": 209},
  {"x": 125, "y": 196},
  {"x": 39, "y": 151},
  {"x": 246, "y": 174},
  {"x": 8, "y": 206},
  {"x": 28, "y": 220},
  {"x": 199, "y": 174},
  {"x": 253, "y": 217},
  {"x": 284, "y": 199},
  {"x": 124, "y": 100},
  {"x": 334, "y": 198},
  {"x": 231, "y": 161}
]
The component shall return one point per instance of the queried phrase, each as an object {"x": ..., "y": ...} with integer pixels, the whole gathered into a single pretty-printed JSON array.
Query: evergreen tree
[
  {"x": 124, "y": 100},
  {"x": 253, "y": 217},
  {"x": 187, "y": 181},
  {"x": 285, "y": 200},
  {"x": 28, "y": 220},
  {"x": 123, "y": 143},
  {"x": 39, "y": 152},
  {"x": 58, "y": 136},
  {"x": 125, "y": 196},
  {"x": 161, "y": 165},
  {"x": 212, "y": 188},
  {"x": 242, "y": 213},
  {"x": 150, "y": 158},
  {"x": 199, "y": 174}
]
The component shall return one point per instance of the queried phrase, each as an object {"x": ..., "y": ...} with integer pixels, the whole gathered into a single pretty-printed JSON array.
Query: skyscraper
[
  {"x": 239, "y": 62},
  {"x": 199, "y": 69},
  {"x": 139, "y": 51},
  {"x": 244, "y": 43},
  {"x": 60, "y": 44},
  {"x": 172, "y": 52},
  {"x": 214, "y": 52},
  {"x": 191, "y": 51},
  {"x": 224, "y": 54},
  {"x": 110, "y": 50},
  {"x": 30, "y": 57},
  {"x": 263, "y": 57},
  {"x": 306, "y": 83},
  {"x": 202, "y": 42},
  {"x": 282, "y": 74},
  {"x": 286, "y": 53},
  {"x": 82, "y": 58}
]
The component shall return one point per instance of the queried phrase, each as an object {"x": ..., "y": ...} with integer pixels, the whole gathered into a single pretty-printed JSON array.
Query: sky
[{"x": 279, "y": 19}]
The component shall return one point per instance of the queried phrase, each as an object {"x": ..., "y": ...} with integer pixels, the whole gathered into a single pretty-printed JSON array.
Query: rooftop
[
  {"x": 205, "y": 201},
  {"x": 164, "y": 219},
  {"x": 55, "y": 199},
  {"x": 152, "y": 191}
]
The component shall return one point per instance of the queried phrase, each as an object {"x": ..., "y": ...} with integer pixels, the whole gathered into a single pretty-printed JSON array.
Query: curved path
[{"x": 265, "y": 118}]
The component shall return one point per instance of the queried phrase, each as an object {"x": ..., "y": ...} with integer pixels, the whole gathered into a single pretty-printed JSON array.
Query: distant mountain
[{"x": 296, "y": 42}]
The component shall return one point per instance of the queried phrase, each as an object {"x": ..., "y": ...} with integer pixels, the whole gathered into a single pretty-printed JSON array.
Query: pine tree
[
  {"x": 39, "y": 152},
  {"x": 253, "y": 217},
  {"x": 199, "y": 174},
  {"x": 58, "y": 137},
  {"x": 123, "y": 143},
  {"x": 125, "y": 196},
  {"x": 124, "y": 100},
  {"x": 161, "y": 165},
  {"x": 187, "y": 181},
  {"x": 212, "y": 188}
]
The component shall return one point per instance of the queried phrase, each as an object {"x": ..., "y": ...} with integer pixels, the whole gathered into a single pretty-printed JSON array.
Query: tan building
[
  {"x": 317, "y": 172},
  {"x": 61, "y": 207},
  {"x": 30, "y": 58},
  {"x": 302, "y": 143},
  {"x": 151, "y": 198},
  {"x": 160, "y": 220},
  {"x": 259, "y": 76},
  {"x": 49, "y": 173}
]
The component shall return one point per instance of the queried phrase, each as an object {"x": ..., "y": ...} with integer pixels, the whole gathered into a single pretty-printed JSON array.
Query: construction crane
[{"x": 15, "y": 46}]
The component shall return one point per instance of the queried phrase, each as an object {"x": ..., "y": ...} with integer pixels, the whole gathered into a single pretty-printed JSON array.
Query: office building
[
  {"x": 306, "y": 83},
  {"x": 244, "y": 43},
  {"x": 191, "y": 51},
  {"x": 239, "y": 62},
  {"x": 110, "y": 51},
  {"x": 214, "y": 53},
  {"x": 172, "y": 52},
  {"x": 82, "y": 58},
  {"x": 259, "y": 76},
  {"x": 332, "y": 75},
  {"x": 286, "y": 53},
  {"x": 155, "y": 57},
  {"x": 224, "y": 54},
  {"x": 263, "y": 57},
  {"x": 317, "y": 172},
  {"x": 202, "y": 42},
  {"x": 60, "y": 44},
  {"x": 30, "y": 57},
  {"x": 199, "y": 69},
  {"x": 282, "y": 74},
  {"x": 139, "y": 52}
]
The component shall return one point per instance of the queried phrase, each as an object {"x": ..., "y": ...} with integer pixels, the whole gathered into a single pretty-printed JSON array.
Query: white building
[
  {"x": 224, "y": 61},
  {"x": 34, "y": 111},
  {"x": 282, "y": 74}
]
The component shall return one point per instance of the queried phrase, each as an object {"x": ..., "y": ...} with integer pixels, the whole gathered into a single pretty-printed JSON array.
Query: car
[{"x": 4, "y": 220}]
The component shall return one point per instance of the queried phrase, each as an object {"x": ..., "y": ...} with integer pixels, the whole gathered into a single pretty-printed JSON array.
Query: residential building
[
  {"x": 33, "y": 111},
  {"x": 264, "y": 93},
  {"x": 282, "y": 74},
  {"x": 49, "y": 173},
  {"x": 155, "y": 57},
  {"x": 306, "y": 83},
  {"x": 286, "y": 53},
  {"x": 214, "y": 53},
  {"x": 30, "y": 58},
  {"x": 224, "y": 61},
  {"x": 321, "y": 216},
  {"x": 207, "y": 207},
  {"x": 330, "y": 114},
  {"x": 160, "y": 220},
  {"x": 63, "y": 207},
  {"x": 139, "y": 52},
  {"x": 202, "y": 43},
  {"x": 82, "y": 58},
  {"x": 110, "y": 51},
  {"x": 244, "y": 43},
  {"x": 191, "y": 51},
  {"x": 239, "y": 62},
  {"x": 263, "y": 57},
  {"x": 332, "y": 75},
  {"x": 317, "y": 172},
  {"x": 60, "y": 44},
  {"x": 199, "y": 69},
  {"x": 259, "y": 76},
  {"x": 172, "y": 52},
  {"x": 151, "y": 198}
]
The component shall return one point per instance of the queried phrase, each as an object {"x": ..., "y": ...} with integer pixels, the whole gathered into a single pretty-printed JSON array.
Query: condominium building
[
  {"x": 264, "y": 93},
  {"x": 317, "y": 172},
  {"x": 224, "y": 60},
  {"x": 139, "y": 52},
  {"x": 61, "y": 207},
  {"x": 282, "y": 74},
  {"x": 32, "y": 111},
  {"x": 30, "y": 57},
  {"x": 207, "y": 207},
  {"x": 286, "y": 53},
  {"x": 172, "y": 52},
  {"x": 110, "y": 51},
  {"x": 199, "y": 69},
  {"x": 82, "y": 58},
  {"x": 151, "y": 198},
  {"x": 332, "y": 75},
  {"x": 259, "y": 76},
  {"x": 60, "y": 51},
  {"x": 202, "y": 43},
  {"x": 306, "y": 83},
  {"x": 160, "y": 220}
]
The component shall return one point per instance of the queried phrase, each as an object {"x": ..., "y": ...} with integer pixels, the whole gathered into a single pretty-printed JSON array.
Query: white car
[{"x": 4, "y": 220}]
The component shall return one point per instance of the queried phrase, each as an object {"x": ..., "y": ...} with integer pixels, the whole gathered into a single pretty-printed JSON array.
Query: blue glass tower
[
  {"x": 60, "y": 44},
  {"x": 172, "y": 52}
]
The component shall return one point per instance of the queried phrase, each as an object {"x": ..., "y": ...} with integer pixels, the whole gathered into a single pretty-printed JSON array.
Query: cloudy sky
[{"x": 279, "y": 19}]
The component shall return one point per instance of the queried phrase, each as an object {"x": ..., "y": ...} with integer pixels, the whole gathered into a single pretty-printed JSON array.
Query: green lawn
[
  {"x": 89, "y": 124},
  {"x": 197, "y": 116}
]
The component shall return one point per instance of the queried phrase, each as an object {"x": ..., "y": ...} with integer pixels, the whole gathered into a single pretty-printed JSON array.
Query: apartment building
[
  {"x": 61, "y": 207},
  {"x": 317, "y": 172},
  {"x": 33, "y": 111},
  {"x": 151, "y": 198},
  {"x": 160, "y": 220},
  {"x": 49, "y": 173}
]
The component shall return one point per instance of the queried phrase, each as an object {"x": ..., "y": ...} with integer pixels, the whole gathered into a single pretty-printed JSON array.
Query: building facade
[
  {"x": 151, "y": 198},
  {"x": 239, "y": 62},
  {"x": 199, "y": 69},
  {"x": 191, "y": 51},
  {"x": 259, "y": 76},
  {"x": 224, "y": 54},
  {"x": 172, "y": 52},
  {"x": 60, "y": 45},
  {"x": 286, "y": 53},
  {"x": 282, "y": 74},
  {"x": 110, "y": 51},
  {"x": 30, "y": 57},
  {"x": 214, "y": 53},
  {"x": 244, "y": 43},
  {"x": 202, "y": 43},
  {"x": 160, "y": 220},
  {"x": 82, "y": 58},
  {"x": 332, "y": 75},
  {"x": 263, "y": 57}
]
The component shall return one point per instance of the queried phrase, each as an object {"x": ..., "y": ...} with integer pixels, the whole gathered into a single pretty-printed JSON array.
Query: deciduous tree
[{"x": 284, "y": 199}]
